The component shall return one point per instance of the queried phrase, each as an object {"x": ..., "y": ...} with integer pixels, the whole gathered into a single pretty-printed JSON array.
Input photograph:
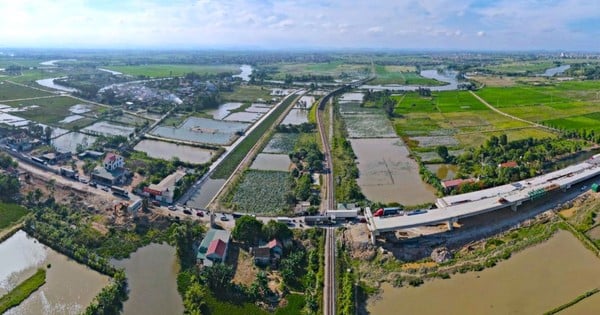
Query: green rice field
[
  {"x": 166, "y": 70},
  {"x": 400, "y": 75},
  {"x": 49, "y": 110},
  {"x": 9, "y": 91}
]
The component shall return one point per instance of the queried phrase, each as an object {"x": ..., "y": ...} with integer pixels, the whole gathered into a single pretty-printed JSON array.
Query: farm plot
[
  {"x": 224, "y": 109},
  {"x": 282, "y": 143},
  {"x": 399, "y": 75},
  {"x": 388, "y": 174},
  {"x": 305, "y": 102},
  {"x": 258, "y": 108},
  {"x": 71, "y": 141},
  {"x": 104, "y": 128},
  {"x": 519, "y": 96},
  {"x": 444, "y": 102},
  {"x": 351, "y": 97},
  {"x": 202, "y": 130},
  {"x": 9, "y": 91},
  {"x": 247, "y": 93},
  {"x": 589, "y": 122},
  {"x": 363, "y": 122},
  {"x": 168, "y": 151},
  {"x": 128, "y": 119},
  {"x": 334, "y": 69},
  {"x": 435, "y": 141},
  {"x": 262, "y": 192},
  {"x": 174, "y": 70},
  {"x": 296, "y": 117},
  {"x": 243, "y": 116},
  {"x": 46, "y": 110},
  {"x": 271, "y": 162}
]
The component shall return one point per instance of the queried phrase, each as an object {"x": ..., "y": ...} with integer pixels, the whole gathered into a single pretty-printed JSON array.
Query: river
[
  {"x": 246, "y": 72},
  {"x": 49, "y": 83},
  {"x": 70, "y": 287},
  {"x": 448, "y": 77},
  {"x": 531, "y": 282},
  {"x": 554, "y": 71},
  {"x": 152, "y": 278}
]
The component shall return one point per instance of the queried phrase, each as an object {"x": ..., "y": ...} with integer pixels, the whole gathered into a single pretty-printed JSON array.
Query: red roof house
[{"x": 217, "y": 250}]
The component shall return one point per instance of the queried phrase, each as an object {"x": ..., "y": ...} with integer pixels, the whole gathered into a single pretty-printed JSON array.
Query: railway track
[{"x": 329, "y": 292}]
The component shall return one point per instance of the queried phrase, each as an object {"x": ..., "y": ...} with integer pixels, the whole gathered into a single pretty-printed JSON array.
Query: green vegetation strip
[
  {"x": 10, "y": 214},
  {"x": 573, "y": 302},
  {"x": 226, "y": 168},
  {"x": 22, "y": 291}
]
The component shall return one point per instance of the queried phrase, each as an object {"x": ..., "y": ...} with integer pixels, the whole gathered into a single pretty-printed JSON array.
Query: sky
[{"x": 566, "y": 25}]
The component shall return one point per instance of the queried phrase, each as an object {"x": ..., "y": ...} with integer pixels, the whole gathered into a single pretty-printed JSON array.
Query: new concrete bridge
[{"x": 452, "y": 208}]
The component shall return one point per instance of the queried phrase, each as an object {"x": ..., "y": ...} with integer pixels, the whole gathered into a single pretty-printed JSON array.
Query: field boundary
[{"x": 484, "y": 102}]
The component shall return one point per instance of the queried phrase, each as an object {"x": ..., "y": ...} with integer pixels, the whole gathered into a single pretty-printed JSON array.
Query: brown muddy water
[
  {"x": 443, "y": 171},
  {"x": 387, "y": 174},
  {"x": 152, "y": 277},
  {"x": 531, "y": 282},
  {"x": 70, "y": 287},
  {"x": 167, "y": 151}
]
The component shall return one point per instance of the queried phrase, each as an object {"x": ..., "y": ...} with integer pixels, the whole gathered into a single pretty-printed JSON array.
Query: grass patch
[
  {"x": 218, "y": 307},
  {"x": 295, "y": 304},
  {"x": 573, "y": 302},
  {"x": 227, "y": 166},
  {"x": 588, "y": 121},
  {"x": 10, "y": 214},
  {"x": 9, "y": 91},
  {"x": 174, "y": 70},
  {"x": 245, "y": 93},
  {"x": 22, "y": 291}
]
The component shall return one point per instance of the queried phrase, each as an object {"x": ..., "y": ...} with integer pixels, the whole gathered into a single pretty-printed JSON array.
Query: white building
[{"x": 113, "y": 161}]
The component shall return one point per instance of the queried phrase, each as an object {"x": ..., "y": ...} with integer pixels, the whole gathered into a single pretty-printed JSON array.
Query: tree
[
  {"x": 277, "y": 230},
  {"x": 442, "y": 151},
  {"x": 247, "y": 230},
  {"x": 195, "y": 299},
  {"x": 218, "y": 277}
]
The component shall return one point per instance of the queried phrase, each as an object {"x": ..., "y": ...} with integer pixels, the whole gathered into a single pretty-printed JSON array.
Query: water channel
[
  {"x": 448, "y": 77},
  {"x": 246, "y": 72}
]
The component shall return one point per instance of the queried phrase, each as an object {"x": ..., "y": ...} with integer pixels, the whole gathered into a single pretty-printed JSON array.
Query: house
[
  {"x": 262, "y": 255},
  {"x": 509, "y": 164},
  {"x": 103, "y": 176},
  {"x": 113, "y": 161},
  {"x": 453, "y": 183},
  {"x": 213, "y": 248},
  {"x": 269, "y": 253},
  {"x": 165, "y": 190},
  {"x": 55, "y": 157}
]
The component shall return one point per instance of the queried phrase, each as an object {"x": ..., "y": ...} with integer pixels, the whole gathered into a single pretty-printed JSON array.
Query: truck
[
  {"x": 119, "y": 191},
  {"x": 343, "y": 214},
  {"x": 67, "y": 172},
  {"x": 384, "y": 212}
]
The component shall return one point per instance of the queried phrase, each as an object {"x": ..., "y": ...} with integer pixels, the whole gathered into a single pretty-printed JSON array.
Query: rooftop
[
  {"x": 211, "y": 235},
  {"x": 218, "y": 247},
  {"x": 168, "y": 182}
]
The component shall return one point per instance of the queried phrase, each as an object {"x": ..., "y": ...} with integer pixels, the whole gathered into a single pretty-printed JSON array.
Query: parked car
[
  {"x": 224, "y": 218},
  {"x": 105, "y": 188},
  {"x": 92, "y": 184},
  {"x": 186, "y": 211},
  {"x": 172, "y": 208},
  {"x": 156, "y": 203},
  {"x": 200, "y": 213}
]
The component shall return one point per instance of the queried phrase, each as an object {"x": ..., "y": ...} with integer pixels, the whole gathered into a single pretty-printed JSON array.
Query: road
[
  {"x": 484, "y": 102},
  {"x": 329, "y": 291}
]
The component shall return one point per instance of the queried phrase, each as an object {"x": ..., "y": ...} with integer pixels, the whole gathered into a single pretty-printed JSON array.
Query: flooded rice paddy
[
  {"x": 108, "y": 129},
  {"x": 271, "y": 162},
  {"x": 243, "y": 116},
  {"x": 202, "y": 130},
  {"x": 70, "y": 141},
  {"x": 258, "y": 108},
  {"x": 388, "y": 174},
  {"x": 167, "y": 151},
  {"x": 296, "y": 117},
  {"x": 70, "y": 287},
  {"x": 152, "y": 278},
  {"x": 531, "y": 282},
  {"x": 224, "y": 110},
  {"x": 305, "y": 102}
]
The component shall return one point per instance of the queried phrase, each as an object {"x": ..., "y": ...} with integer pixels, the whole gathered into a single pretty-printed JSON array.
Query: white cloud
[{"x": 481, "y": 33}]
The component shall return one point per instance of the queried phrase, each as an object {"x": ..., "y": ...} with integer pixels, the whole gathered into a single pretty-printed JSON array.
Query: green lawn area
[
  {"x": 399, "y": 75},
  {"x": 50, "y": 110},
  {"x": 30, "y": 76},
  {"x": 9, "y": 91},
  {"x": 167, "y": 70},
  {"x": 10, "y": 214},
  {"x": 22, "y": 291},
  {"x": 247, "y": 93}
]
